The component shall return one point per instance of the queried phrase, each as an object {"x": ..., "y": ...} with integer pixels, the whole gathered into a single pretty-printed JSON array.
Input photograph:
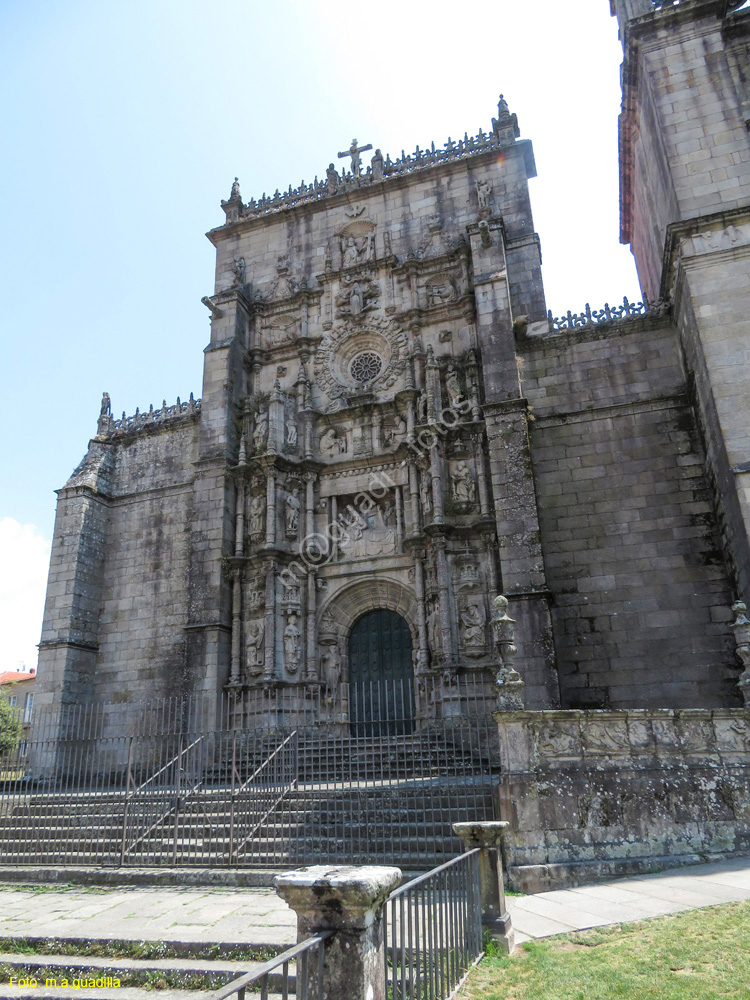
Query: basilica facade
[{"x": 393, "y": 430}]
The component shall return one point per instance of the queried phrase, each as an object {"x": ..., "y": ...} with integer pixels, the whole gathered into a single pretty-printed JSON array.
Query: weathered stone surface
[
  {"x": 586, "y": 791},
  {"x": 350, "y": 902}
]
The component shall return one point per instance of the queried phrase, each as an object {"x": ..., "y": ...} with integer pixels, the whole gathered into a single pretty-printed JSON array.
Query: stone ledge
[{"x": 543, "y": 878}]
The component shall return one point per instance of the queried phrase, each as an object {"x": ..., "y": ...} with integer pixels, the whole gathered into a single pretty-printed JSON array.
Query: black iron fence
[
  {"x": 273, "y": 778},
  {"x": 305, "y": 980},
  {"x": 434, "y": 931}
]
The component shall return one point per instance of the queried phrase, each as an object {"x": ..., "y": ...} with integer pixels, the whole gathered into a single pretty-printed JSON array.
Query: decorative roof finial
[
  {"x": 505, "y": 126},
  {"x": 235, "y": 192}
]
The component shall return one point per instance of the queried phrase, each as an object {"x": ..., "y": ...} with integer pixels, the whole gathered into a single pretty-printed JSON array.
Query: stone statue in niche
[
  {"x": 394, "y": 435},
  {"x": 357, "y": 251},
  {"x": 238, "y": 269},
  {"x": 257, "y": 514},
  {"x": 254, "y": 648},
  {"x": 484, "y": 191},
  {"x": 440, "y": 291},
  {"x": 256, "y": 594},
  {"x": 453, "y": 386},
  {"x": 433, "y": 626},
  {"x": 422, "y": 408},
  {"x": 473, "y": 621},
  {"x": 291, "y": 432},
  {"x": 261, "y": 431},
  {"x": 425, "y": 491},
  {"x": 330, "y": 445},
  {"x": 292, "y": 645},
  {"x": 330, "y": 666},
  {"x": 462, "y": 482},
  {"x": 292, "y": 513}
]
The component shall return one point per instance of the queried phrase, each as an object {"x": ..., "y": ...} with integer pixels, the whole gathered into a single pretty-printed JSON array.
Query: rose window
[{"x": 366, "y": 366}]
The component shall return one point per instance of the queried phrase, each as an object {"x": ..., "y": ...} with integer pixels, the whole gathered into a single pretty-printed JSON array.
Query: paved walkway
[{"x": 258, "y": 916}]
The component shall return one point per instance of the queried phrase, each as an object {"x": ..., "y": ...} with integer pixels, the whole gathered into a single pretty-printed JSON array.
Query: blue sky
[{"x": 123, "y": 125}]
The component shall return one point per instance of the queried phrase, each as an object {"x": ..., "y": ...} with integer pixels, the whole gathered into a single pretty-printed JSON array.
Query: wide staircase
[{"x": 283, "y": 800}]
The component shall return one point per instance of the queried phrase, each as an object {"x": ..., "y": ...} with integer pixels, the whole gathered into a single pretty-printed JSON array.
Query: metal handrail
[
  {"x": 265, "y": 763},
  {"x": 431, "y": 873},
  {"x": 235, "y": 851},
  {"x": 237, "y": 987},
  {"x": 167, "y": 765}
]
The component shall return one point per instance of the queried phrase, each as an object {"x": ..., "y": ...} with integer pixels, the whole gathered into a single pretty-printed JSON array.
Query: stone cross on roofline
[{"x": 354, "y": 150}]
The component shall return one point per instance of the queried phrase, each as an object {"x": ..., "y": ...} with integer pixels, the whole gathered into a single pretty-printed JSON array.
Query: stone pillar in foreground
[
  {"x": 495, "y": 917},
  {"x": 350, "y": 902}
]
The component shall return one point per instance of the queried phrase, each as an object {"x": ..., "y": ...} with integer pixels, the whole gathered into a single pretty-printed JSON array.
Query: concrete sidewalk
[
  {"x": 624, "y": 900},
  {"x": 257, "y": 916}
]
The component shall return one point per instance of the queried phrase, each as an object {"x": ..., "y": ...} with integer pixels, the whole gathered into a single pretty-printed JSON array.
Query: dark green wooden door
[{"x": 381, "y": 675}]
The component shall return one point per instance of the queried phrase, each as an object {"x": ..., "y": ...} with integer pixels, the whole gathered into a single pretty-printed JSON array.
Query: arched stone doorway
[{"x": 381, "y": 675}]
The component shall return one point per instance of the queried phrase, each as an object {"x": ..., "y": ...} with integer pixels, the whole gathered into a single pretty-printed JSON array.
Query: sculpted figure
[
  {"x": 484, "y": 190},
  {"x": 454, "y": 387},
  {"x": 463, "y": 484},
  {"x": 330, "y": 664},
  {"x": 433, "y": 627},
  {"x": 261, "y": 431},
  {"x": 356, "y": 299},
  {"x": 106, "y": 409},
  {"x": 291, "y": 431},
  {"x": 254, "y": 648},
  {"x": 328, "y": 444},
  {"x": 472, "y": 625},
  {"x": 257, "y": 510},
  {"x": 425, "y": 492},
  {"x": 377, "y": 166},
  {"x": 292, "y": 513},
  {"x": 350, "y": 252},
  {"x": 292, "y": 636}
]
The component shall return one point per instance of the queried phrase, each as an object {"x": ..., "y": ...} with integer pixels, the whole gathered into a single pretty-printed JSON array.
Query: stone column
[
  {"x": 234, "y": 678},
  {"x": 348, "y": 901},
  {"x": 399, "y": 519},
  {"x": 484, "y": 496},
  {"x": 414, "y": 498},
  {"x": 333, "y": 523},
  {"x": 269, "y": 669},
  {"x": 423, "y": 653},
  {"x": 239, "y": 524},
  {"x": 310, "y": 672},
  {"x": 310, "y": 478},
  {"x": 270, "y": 507},
  {"x": 446, "y": 633},
  {"x": 487, "y": 836},
  {"x": 436, "y": 472}
]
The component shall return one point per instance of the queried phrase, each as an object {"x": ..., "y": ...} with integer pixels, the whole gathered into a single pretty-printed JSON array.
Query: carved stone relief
[
  {"x": 292, "y": 645},
  {"x": 380, "y": 345},
  {"x": 254, "y": 642}
]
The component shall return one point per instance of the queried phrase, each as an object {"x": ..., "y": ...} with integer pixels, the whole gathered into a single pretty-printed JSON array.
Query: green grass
[{"x": 700, "y": 955}]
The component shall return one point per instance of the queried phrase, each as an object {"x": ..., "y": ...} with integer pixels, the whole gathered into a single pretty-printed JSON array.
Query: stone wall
[
  {"x": 630, "y": 542},
  {"x": 592, "y": 794}
]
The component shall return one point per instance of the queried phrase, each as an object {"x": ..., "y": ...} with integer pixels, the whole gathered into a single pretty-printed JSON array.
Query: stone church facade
[{"x": 393, "y": 430}]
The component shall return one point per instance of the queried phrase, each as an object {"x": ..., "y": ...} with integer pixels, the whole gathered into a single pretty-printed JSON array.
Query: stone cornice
[{"x": 522, "y": 147}]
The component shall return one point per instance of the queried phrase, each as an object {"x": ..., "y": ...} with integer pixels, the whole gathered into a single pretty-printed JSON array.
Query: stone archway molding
[{"x": 345, "y": 607}]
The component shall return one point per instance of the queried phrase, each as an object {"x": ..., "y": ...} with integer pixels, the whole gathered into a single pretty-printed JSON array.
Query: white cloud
[{"x": 24, "y": 558}]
